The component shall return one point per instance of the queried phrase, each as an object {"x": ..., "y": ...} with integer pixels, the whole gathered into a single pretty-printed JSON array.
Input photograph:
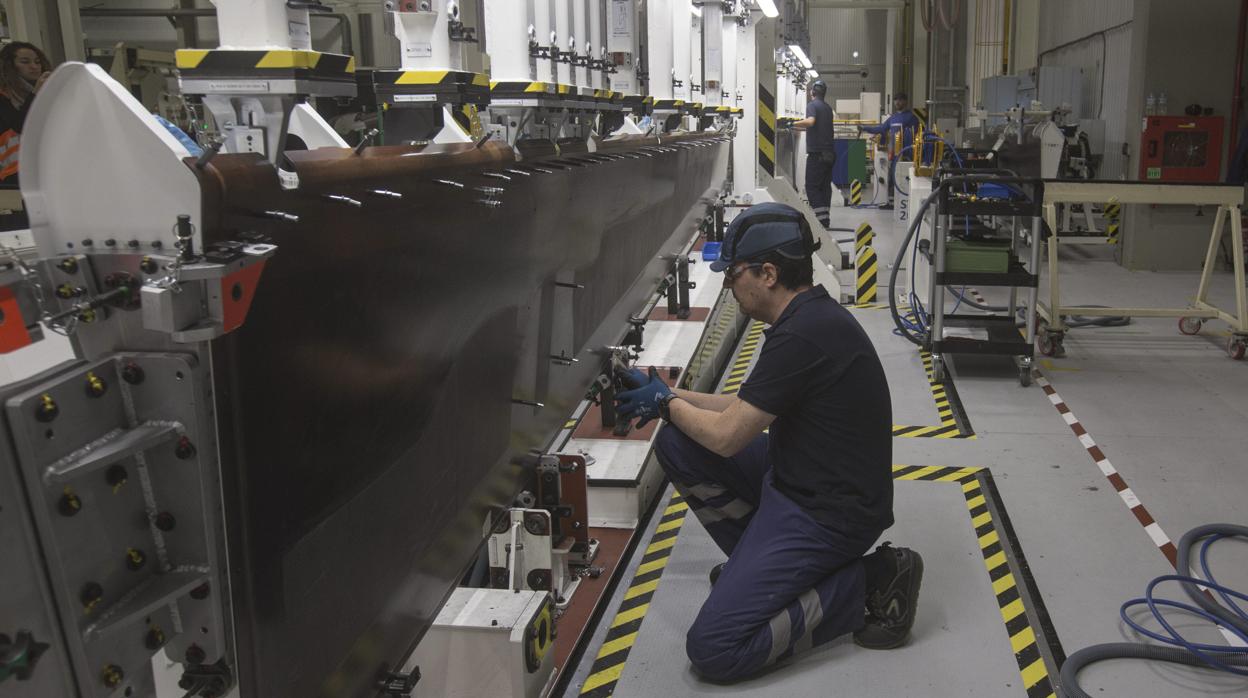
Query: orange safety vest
[{"x": 10, "y": 147}]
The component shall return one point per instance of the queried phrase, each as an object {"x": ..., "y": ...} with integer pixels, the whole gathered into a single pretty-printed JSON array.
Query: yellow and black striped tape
[
  {"x": 866, "y": 268},
  {"x": 953, "y": 421},
  {"x": 1010, "y": 601},
  {"x": 741, "y": 366},
  {"x": 855, "y": 193},
  {"x": 766, "y": 130},
  {"x": 992, "y": 536},
  {"x": 609, "y": 664},
  {"x": 725, "y": 319},
  {"x": 1113, "y": 213},
  {"x": 430, "y": 77},
  {"x": 863, "y": 236},
  {"x": 921, "y": 113},
  {"x": 237, "y": 62},
  {"x": 523, "y": 87}
]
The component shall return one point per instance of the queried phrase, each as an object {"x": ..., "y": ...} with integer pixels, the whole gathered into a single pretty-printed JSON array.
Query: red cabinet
[{"x": 1181, "y": 149}]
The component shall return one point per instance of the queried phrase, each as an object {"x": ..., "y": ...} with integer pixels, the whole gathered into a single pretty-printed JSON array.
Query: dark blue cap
[{"x": 762, "y": 229}]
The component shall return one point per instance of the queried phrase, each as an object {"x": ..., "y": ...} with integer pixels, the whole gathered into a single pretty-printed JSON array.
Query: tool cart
[{"x": 986, "y": 220}]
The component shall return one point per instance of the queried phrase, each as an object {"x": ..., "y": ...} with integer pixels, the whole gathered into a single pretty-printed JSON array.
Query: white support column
[
  {"x": 621, "y": 38},
  {"x": 918, "y": 66},
  {"x": 744, "y": 145},
  {"x": 507, "y": 31},
  {"x": 262, "y": 24},
  {"x": 563, "y": 34},
  {"x": 697, "y": 74},
  {"x": 580, "y": 37},
  {"x": 731, "y": 45},
  {"x": 890, "y": 58},
  {"x": 425, "y": 41},
  {"x": 659, "y": 48},
  {"x": 71, "y": 30},
  {"x": 597, "y": 42},
  {"x": 543, "y": 25},
  {"x": 713, "y": 54},
  {"x": 681, "y": 22}
]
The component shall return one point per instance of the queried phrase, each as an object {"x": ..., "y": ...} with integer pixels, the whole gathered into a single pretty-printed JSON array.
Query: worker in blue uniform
[
  {"x": 820, "y": 150},
  {"x": 796, "y": 509},
  {"x": 903, "y": 120}
]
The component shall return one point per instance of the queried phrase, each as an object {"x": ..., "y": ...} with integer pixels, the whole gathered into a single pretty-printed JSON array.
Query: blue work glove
[{"x": 642, "y": 398}]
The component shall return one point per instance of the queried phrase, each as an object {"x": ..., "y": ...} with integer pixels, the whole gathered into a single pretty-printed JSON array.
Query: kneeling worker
[{"x": 797, "y": 509}]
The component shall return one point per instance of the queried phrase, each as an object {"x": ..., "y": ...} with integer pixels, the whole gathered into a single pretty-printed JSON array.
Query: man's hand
[{"x": 642, "y": 398}]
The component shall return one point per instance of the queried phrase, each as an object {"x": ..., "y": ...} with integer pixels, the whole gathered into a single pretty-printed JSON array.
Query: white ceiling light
[
  {"x": 855, "y": 54},
  {"x": 813, "y": 73},
  {"x": 768, "y": 7},
  {"x": 801, "y": 55}
]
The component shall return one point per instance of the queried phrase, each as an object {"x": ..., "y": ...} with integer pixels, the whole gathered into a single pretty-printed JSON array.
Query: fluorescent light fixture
[
  {"x": 696, "y": 10},
  {"x": 801, "y": 56},
  {"x": 813, "y": 73},
  {"x": 768, "y": 7}
]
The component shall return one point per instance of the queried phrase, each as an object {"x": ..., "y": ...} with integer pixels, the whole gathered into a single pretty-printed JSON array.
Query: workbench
[{"x": 1227, "y": 197}]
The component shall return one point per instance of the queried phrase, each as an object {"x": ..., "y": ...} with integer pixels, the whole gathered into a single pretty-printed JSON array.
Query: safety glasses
[{"x": 734, "y": 272}]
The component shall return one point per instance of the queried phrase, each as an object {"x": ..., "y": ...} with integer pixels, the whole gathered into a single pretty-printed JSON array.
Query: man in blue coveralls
[
  {"x": 820, "y": 150},
  {"x": 901, "y": 119},
  {"x": 795, "y": 509}
]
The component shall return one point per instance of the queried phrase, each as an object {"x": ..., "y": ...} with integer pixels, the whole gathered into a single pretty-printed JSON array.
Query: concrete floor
[{"x": 1167, "y": 410}]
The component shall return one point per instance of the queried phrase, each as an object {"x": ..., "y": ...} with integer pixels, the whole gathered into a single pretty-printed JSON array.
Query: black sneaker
[
  {"x": 715, "y": 572},
  {"x": 892, "y": 604}
]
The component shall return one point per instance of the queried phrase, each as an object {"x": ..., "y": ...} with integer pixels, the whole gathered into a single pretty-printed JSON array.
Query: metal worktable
[{"x": 1227, "y": 197}]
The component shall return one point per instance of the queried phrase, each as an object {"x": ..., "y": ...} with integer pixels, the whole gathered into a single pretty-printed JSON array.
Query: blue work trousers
[
  {"x": 790, "y": 582},
  {"x": 819, "y": 183}
]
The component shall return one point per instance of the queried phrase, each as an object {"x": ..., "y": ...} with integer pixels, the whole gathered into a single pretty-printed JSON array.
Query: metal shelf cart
[{"x": 963, "y": 200}]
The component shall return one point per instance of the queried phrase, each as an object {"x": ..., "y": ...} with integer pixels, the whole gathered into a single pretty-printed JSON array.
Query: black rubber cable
[
  {"x": 916, "y": 219},
  {"x": 1130, "y": 650}
]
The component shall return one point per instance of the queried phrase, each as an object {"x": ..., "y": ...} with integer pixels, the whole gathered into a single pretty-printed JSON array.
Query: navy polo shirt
[
  {"x": 821, "y": 138},
  {"x": 831, "y": 444}
]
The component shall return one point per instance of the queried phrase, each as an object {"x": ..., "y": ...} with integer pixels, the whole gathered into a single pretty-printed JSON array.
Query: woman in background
[{"x": 23, "y": 70}]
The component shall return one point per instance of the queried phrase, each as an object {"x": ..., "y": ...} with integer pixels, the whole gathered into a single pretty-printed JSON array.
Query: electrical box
[
  {"x": 870, "y": 105},
  {"x": 488, "y": 642},
  {"x": 1181, "y": 149},
  {"x": 1053, "y": 86},
  {"x": 998, "y": 95}
]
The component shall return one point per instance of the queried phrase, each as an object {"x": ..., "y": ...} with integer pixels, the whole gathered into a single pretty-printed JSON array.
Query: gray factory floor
[{"x": 1163, "y": 411}]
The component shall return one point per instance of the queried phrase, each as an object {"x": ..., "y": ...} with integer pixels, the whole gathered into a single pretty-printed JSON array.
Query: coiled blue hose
[{"x": 1230, "y": 616}]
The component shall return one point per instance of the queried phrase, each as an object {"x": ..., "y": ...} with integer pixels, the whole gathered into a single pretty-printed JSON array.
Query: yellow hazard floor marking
[{"x": 622, "y": 635}]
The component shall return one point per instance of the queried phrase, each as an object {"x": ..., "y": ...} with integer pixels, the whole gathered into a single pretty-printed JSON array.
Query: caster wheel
[
  {"x": 1236, "y": 347},
  {"x": 1044, "y": 345},
  {"x": 938, "y": 371},
  {"x": 1024, "y": 376},
  {"x": 1048, "y": 343},
  {"x": 1190, "y": 325}
]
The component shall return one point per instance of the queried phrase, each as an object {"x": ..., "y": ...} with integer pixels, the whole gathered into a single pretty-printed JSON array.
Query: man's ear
[{"x": 771, "y": 274}]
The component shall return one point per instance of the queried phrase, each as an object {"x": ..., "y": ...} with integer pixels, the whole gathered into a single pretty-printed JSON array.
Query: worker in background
[
  {"x": 902, "y": 119},
  {"x": 820, "y": 150},
  {"x": 795, "y": 510},
  {"x": 23, "y": 70}
]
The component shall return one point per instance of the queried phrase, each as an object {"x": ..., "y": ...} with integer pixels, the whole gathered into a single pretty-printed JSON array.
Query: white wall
[
  {"x": 835, "y": 34},
  {"x": 1105, "y": 59}
]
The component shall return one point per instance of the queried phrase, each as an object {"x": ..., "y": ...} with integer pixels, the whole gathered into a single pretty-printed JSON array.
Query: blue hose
[{"x": 1222, "y": 657}]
